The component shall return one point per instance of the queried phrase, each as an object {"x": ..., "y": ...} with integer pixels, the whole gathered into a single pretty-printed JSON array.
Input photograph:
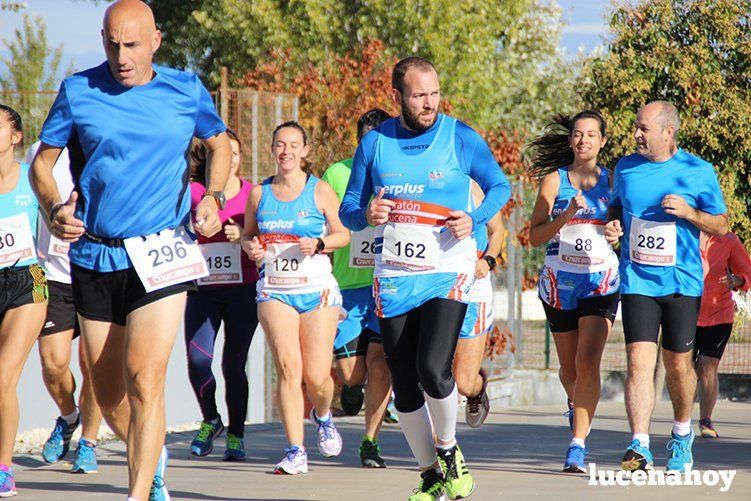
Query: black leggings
[{"x": 419, "y": 347}]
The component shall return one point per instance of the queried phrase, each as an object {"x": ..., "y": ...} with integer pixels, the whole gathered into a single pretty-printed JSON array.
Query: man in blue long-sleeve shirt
[{"x": 411, "y": 180}]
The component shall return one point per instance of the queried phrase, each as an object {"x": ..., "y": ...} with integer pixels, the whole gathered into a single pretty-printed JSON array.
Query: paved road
[{"x": 517, "y": 454}]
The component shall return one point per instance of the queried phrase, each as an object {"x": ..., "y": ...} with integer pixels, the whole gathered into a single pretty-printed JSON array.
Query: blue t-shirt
[
  {"x": 20, "y": 200},
  {"x": 639, "y": 187},
  {"x": 129, "y": 154},
  {"x": 474, "y": 156}
]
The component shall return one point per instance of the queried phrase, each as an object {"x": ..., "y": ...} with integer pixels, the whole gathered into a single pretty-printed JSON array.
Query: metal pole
[
  {"x": 254, "y": 138},
  {"x": 519, "y": 270},
  {"x": 547, "y": 345},
  {"x": 511, "y": 284},
  {"x": 278, "y": 109},
  {"x": 295, "y": 108},
  {"x": 224, "y": 95}
]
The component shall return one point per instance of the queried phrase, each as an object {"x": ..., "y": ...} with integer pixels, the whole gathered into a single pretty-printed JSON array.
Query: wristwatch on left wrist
[
  {"x": 218, "y": 196},
  {"x": 491, "y": 261},
  {"x": 320, "y": 246}
]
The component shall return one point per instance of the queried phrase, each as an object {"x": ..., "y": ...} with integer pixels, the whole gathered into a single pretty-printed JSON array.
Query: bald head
[
  {"x": 130, "y": 11},
  {"x": 130, "y": 40},
  {"x": 657, "y": 125}
]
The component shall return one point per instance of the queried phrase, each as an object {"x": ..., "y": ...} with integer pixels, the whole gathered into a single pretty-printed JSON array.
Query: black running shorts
[
  {"x": 712, "y": 340},
  {"x": 21, "y": 285},
  {"x": 676, "y": 314},
  {"x": 568, "y": 320},
  {"x": 112, "y": 296},
  {"x": 61, "y": 312}
]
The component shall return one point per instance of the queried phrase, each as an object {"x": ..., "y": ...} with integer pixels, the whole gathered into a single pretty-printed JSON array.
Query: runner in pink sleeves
[{"x": 226, "y": 295}]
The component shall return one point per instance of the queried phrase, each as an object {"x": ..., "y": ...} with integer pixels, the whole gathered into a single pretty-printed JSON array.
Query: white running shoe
[
  {"x": 329, "y": 440},
  {"x": 295, "y": 461}
]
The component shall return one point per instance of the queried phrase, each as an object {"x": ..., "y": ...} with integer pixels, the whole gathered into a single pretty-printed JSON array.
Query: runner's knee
[{"x": 438, "y": 382}]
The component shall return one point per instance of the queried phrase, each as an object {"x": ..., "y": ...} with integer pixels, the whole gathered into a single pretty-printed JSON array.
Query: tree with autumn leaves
[{"x": 697, "y": 54}]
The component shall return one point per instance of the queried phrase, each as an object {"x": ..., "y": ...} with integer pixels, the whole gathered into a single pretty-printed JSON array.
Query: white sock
[
  {"x": 92, "y": 442},
  {"x": 643, "y": 438},
  {"x": 443, "y": 414},
  {"x": 322, "y": 419},
  {"x": 131, "y": 499},
  {"x": 681, "y": 428},
  {"x": 71, "y": 418},
  {"x": 577, "y": 441},
  {"x": 419, "y": 434}
]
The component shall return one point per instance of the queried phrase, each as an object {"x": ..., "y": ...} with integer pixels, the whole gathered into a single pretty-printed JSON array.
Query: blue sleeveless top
[
  {"x": 299, "y": 217},
  {"x": 20, "y": 200},
  {"x": 598, "y": 198}
]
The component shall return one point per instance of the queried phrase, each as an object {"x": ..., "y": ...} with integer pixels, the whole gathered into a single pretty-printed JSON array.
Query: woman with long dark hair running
[{"x": 579, "y": 281}]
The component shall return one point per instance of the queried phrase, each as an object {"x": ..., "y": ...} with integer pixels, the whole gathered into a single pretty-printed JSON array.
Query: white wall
[{"x": 38, "y": 410}]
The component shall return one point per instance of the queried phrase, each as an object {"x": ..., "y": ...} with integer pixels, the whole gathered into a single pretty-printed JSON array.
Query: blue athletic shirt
[
  {"x": 639, "y": 187},
  {"x": 474, "y": 156},
  {"x": 131, "y": 148},
  {"x": 20, "y": 200}
]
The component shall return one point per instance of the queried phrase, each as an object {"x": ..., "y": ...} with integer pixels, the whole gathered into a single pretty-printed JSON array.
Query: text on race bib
[
  {"x": 411, "y": 246},
  {"x": 652, "y": 242},
  {"x": 58, "y": 247},
  {"x": 284, "y": 265},
  {"x": 582, "y": 243},
  {"x": 16, "y": 240},
  {"x": 223, "y": 263},
  {"x": 167, "y": 258},
  {"x": 362, "y": 248}
]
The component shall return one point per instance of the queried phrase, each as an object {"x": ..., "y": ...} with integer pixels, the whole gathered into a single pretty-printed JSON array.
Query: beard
[{"x": 412, "y": 120}]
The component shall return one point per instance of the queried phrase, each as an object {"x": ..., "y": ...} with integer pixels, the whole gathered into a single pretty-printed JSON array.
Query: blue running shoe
[
  {"x": 391, "y": 416},
  {"x": 203, "y": 443},
  {"x": 680, "y": 452},
  {"x": 57, "y": 446},
  {"x": 570, "y": 414},
  {"x": 159, "y": 490},
  {"x": 235, "y": 448},
  {"x": 7, "y": 482},
  {"x": 575, "y": 460},
  {"x": 85, "y": 461},
  {"x": 637, "y": 457}
]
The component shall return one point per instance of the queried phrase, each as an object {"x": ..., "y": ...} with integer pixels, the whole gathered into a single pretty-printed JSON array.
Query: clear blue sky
[{"x": 76, "y": 24}]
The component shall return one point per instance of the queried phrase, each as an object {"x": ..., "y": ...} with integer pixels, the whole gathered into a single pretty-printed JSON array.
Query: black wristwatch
[
  {"x": 53, "y": 211},
  {"x": 320, "y": 246},
  {"x": 218, "y": 196},
  {"x": 491, "y": 261}
]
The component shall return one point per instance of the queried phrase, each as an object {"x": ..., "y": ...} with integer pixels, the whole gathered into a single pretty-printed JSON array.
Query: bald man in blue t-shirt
[
  {"x": 662, "y": 198},
  {"x": 128, "y": 124}
]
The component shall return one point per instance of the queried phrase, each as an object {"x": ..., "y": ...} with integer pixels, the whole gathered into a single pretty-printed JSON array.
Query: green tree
[
  {"x": 12, "y": 6},
  {"x": 696, "y": 54},
  {"x": 498, "y": 58},
  {"x": 32, "y": 64}
]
